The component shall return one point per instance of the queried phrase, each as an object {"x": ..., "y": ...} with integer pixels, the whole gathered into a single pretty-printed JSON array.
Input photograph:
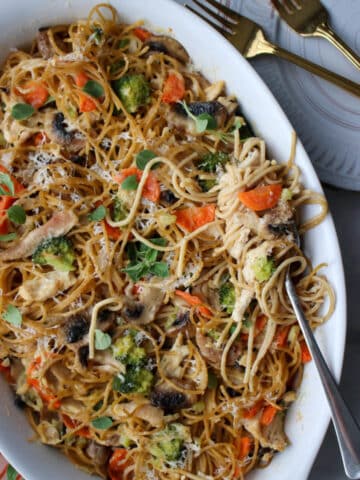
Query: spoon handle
[{"x": 346, "y": 427}]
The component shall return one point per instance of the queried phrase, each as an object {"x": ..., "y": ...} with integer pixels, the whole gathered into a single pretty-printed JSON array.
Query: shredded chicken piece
[
  {"x": 144, "y": 411},
  {"x": 271, "y": 436},
  {"x": 171, "y": 361},
  {"x": 151, "y": 298},
  {"x": 59, "y": 224},
  {"x": 46, "y": 286}
]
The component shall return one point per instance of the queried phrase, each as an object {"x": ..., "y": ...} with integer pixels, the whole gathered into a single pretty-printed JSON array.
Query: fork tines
[
  {"x": 289, "y": 6},
  {"x": 226, "y": 20}
]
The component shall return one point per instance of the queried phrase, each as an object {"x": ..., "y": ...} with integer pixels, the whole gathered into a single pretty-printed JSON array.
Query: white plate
[
  {"x": 308, "y": 418},
  {"x": 326, "y": 118}
]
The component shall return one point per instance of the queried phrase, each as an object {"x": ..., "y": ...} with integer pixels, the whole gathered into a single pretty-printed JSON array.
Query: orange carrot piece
[
  {"x": 174, "y": 88},
  {"x": 260, "y": 323},
  {"x": 261, "y": 198},
  {"x": 305, "y": 353},
  {"x": 39, "y": 139},
  {"x": 194, "y": 300},
  {"x": 142, "y": 34},
  {"x": 268, "y": 415},
  {"x": 282, "y": 335},
  {"x": 72, "y": 424},
  {"x": 192, "y": 218},
  {"x": 81, "y": 79},
  {"x": 151, "y": 188},
  {"x": 37, "y": 93},
  {"x": 86, "y": 104},
  {"x": 114, "y": 233},
  {"x": 253, "y": 411},
  {"x": 242, "y": 447},
  {"x": 18, "y": 187},
  {"x": 43, "y": 392},
  {"x": 118, "y": 463}
]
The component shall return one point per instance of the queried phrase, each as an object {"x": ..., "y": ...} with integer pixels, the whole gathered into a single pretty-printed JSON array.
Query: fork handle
[
  {"x": 342, "y": 82},
  {"x": 347, "y": 430},
  {"x": 325, "y": 31}
]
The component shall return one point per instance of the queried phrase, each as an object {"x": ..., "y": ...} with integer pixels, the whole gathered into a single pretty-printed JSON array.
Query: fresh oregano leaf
[
  {"x": 98, "y": 214},
  {"x": 16, "y": 214},
  {"x": 130, "y": 183},
  {"x": 8, "y": 237},
  {"x": 22, "y": 111},
  {"x": 94, "y": 89},
  {"x": 160, "y": 269},
  {"x": 102, "y": 340},
  {"x": 102, "y": 423},
  {"x": 13, "y": 315},
  {"x": 143, "y": 158},
  {"x": 123, "y": 43},
  {"x": 5, "y": 181}
]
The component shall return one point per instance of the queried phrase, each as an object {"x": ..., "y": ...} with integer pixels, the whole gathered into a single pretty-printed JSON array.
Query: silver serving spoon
[{"x": 346, "y": 428}]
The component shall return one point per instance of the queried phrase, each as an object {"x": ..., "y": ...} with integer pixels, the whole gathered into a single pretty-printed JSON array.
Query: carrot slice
[
  {"x": 174, "y": 89},
  {"x": 43, "y": 392},
  {"x": 253, "y": 411},
  {"x": 282, "y": 335},
  {"x": 305, "y": 353},
  {"x": 192, "y": 218},
  {"x": 81, "y": 79},
  {"x": 260, "y": 323},
  {"x": 194, "y": 300},
  {"x": 86, "y": 104},
  {"x": 39, "y": 139},
  {"x": 261, "y": 198},
  {"x": 72, "y": 424},
  {"x": 114, "y": 233},
  {"x": 37, "y": 94},
  {"x": 151, "y": 188},
  {"x": 142, "y": 34},
  {"x": 118, "y": 463},
  {"x": 18, "y": 187},
  {"x": 268, "y": 415},
  {"x": 242, "y": 447}
]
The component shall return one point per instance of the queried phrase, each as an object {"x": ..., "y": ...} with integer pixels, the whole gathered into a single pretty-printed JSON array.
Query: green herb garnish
[
  {"x": 16, "y": 214},
  {"x": 5, "y": 181},
  {"x": 123, "y": 43},
  {"x": 13, "y": 315},
  {"x": 9, "y": 237},
  {"x": 203, "y": 122},
  {"x": 115, "y": 67},
  {"x": 98, "y": 214},
  {"x": 97, "y": 35},
  {"x": 144, "y": 260},
  {"x": 94, "y": 89},
  {"x": 22, "y": 111},
  {"x": 102, "y": 340},
  {"x": 130, "y": 183},
  {"x": 102, "y": 423},
  {"x": 212, "y": 380},
  {"x": 143, "y": 158}
]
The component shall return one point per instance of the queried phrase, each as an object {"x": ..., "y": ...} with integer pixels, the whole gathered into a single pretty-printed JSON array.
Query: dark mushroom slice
[
  {"x": 83, "y": 354},
  {"x": 280, "y": 220},
  {"x": 182, "y": 324},
  {"x": 169, "y": 46},
  {"x": 80, "y": 160},
  {"x": 212, "y": 353},
  {"x": 43, "y": 44},
  {"x": 99, "y": 454},
  {"x": 72, "y": 140},
  {"x": 179, "y": 118},
  {"x": 167, "y": 196},
  {"x": 143, "y": 311},
  {"x": 76, "y": 328},
  {"x": 133, "y": 311},
  {"x": 170, "y": 400}
]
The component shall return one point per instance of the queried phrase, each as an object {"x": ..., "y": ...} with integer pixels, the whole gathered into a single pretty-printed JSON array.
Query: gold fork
[
  {"x": 309, "y": 18},
  {"x": 250, "y": 40}
]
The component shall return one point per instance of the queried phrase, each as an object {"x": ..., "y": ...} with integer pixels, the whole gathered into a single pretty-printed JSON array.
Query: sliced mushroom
[
  {"x": 169, "y": 399},
  {"x": 98, "y": 453},
  {"x": 72, "y": 140},
  {"x": 178, "y": 117},
  {"x": 167, "y": 196},
  {"x": 169, "y": 46},
  {"x": 144, "y": 311},
  {"x": 213, "y": 354},
  {"x": 59, "y": 224},
  {"x": 280, "y": 220},
  {"x": 43, "y": 44},
  {"x": 182, "y": 324},
  {"x": 76, "y": 328}
]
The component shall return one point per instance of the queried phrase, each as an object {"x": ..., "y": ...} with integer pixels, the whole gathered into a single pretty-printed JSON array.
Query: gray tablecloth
[{"x": 345, "y": 208}]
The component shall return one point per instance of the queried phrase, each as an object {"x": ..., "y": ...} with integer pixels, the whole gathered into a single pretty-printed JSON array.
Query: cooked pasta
[{"x": 145, "y": 237}]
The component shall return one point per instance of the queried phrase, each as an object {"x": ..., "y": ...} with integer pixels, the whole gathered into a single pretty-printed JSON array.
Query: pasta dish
[{"x": 145, "y": 236}]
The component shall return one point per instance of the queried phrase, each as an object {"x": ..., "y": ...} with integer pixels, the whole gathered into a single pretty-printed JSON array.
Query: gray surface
[{"x": 345, "y": 208}]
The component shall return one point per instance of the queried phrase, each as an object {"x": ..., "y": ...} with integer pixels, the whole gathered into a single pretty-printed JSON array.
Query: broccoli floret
[
  {"x": 126, "y": 350},
  {"x": 211, "y": 161},
  {"x": 286, "y": 194},
  {"x": 135, "y": 380},
  {"x": 57, "y": 252},
  {"x": 227, "y": 297},
  {"x": 263, "y": 268},
  {"x": 207, "y": 184},
  {"x": 133, "y": 91},
  {"x": 168, "y": 445}
]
